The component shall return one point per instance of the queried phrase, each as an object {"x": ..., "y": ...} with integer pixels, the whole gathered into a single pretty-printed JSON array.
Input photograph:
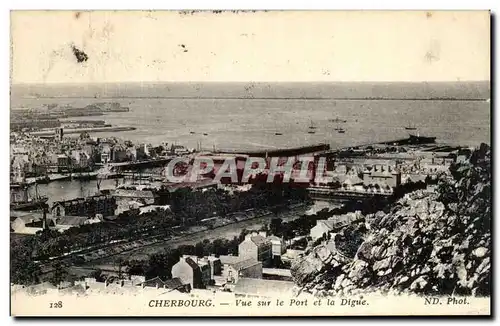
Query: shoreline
[
  {"x": 80, "y": 130},
  {"x": 162, "y": 242}
]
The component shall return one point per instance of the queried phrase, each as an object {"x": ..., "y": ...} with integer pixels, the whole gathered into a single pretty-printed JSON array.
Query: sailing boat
[
  {"x": 311, "y": 128},
  {"x": 338, "y": 120},
  {"x": 28, "y": 204},
  {"x": 410, "y": 127},
  {"x": 277, "y": 133}
]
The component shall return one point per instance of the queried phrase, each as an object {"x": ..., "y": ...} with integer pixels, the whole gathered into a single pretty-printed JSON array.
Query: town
[{"x": 72, "y": 245}]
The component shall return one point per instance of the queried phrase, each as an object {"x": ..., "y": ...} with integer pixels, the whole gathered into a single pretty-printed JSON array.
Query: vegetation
[{"x": 187, "y": 209}]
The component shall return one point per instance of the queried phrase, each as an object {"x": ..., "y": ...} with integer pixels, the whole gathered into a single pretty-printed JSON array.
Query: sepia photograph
[{"x": 250, "y": 163}]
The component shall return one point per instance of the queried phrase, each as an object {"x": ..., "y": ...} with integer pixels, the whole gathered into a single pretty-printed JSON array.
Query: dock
[
  {"x": 113, "y": 167},
  {"x": 80, "y": 130},
  {"x": 284, "y": 152}
]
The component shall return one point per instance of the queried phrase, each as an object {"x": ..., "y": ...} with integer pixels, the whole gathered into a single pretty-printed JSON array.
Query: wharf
[
  {"x": 140, "y": 164},
  {"x": 80, "y": 130},
  {"x": 310, "y": 149}
]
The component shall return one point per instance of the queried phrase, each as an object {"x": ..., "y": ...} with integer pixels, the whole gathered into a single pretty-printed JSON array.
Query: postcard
[{"x": 250, "y": 163}]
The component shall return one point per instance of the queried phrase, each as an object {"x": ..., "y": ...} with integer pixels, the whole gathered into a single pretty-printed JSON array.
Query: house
[
  {"x": 66, "y": 222},
  {"x": 153, "y": 208},
  {"x": 321, "y": 228},
  {"x": 235, "y": 267},
  {"x": 278, "y": 246},
  {"x": 90, "y": 206},
  {"x": 195, "y": 273},
  {"x": 118, "y": 153},
  {"x": 214, "y": 262},
  {"x": 382, "y": 176},
  {"x": 28, "y": 222},
  {"x": 252, "y": 287},
  {"x": 174, "y": 284},
  {"x": 125, "y": 197},
  {"x": 257, "y": 247}
]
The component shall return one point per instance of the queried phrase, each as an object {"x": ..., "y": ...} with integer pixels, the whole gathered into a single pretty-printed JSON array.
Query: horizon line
[{"x": 245, "y": 82}]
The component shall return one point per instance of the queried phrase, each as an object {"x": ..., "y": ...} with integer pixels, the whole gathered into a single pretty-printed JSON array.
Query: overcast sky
[{"x": 273, "y": 46}]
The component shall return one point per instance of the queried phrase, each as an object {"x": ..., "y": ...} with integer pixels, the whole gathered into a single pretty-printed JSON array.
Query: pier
[
  {"x": 130, "y": 165},
  {"x": 285, "y": 152}
]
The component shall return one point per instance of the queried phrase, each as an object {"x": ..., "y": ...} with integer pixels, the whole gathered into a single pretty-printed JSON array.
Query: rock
[
  {"x": 365, "y": 251},
  {"x": 419, "y": 284},
  {"x": 480, "y": 252},
  {"x": 358, "y": 270},
  {"x": 403, "y": 280},
  {"x": 346, "y": 283},
  {"x": 382, "y": 264},
  {"x": 338, "y": 282}
]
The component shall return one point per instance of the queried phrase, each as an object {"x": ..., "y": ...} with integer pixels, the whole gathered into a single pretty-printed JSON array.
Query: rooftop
[
  {"x": 242, "y": 264},
  {"x": 72, "y": 220}
]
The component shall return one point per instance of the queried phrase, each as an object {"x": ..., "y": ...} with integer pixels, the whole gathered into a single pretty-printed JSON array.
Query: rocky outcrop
[{"x": 427, "y": 243}]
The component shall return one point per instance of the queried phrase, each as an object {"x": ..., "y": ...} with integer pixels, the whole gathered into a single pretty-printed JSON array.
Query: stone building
[
  {"x": 257, "y": 247},
  {"x": 195, "y": 273},
  {"x": 89, "y": 207},
  {"x": 383, "y": 176}
]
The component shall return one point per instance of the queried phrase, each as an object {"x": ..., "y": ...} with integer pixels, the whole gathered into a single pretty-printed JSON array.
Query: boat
[
  {"x": 29, "y": 205},
  {"x": 417, "y": 139},
  {"x": 341, "y": 131},
  {"x": 311, "y": 132},
  {"x": 337, "y": 120},
  {"x": 26, "y": 203},
  {"x": 278, "y": 133},
  {"x": 42, "y": 180},
  {"x": 192, "y": 132},
  {"x": 410, "y": 127},
  {"x": 205, "y": 134},
  {"x": 84, "y": 176},
  {"x": 312, "y": 126}
]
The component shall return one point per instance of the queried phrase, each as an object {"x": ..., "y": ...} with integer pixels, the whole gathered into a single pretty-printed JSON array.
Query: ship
[
  {"x": 410, "y": 127},
  {"x": 312, "y": 126},
  {"x": 84, "y": 176},
  {"x": 417, "y": 139},
  {"x": 337, "y": 120},
  {"x": 42, "y": 180},
  {"x": 26, "y": 203}
]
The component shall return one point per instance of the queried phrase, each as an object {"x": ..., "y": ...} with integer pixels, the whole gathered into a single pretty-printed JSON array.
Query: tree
[
  {"x": 59, "y": 274},
  {"x": 275, "y": 226}
]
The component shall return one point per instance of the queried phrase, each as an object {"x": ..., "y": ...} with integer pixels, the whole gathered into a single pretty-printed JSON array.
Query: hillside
[{"x": 428, "y": 243}]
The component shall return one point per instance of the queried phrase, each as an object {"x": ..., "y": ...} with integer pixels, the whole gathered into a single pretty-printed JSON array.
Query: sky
[{"x": 282, "y": 46}]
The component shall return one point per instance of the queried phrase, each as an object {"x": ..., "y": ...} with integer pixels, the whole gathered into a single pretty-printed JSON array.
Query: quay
[
  {"x": 295, "y": 151},
  {"x": 80, "y": 130},
  {"x": 155, "y": 162}
]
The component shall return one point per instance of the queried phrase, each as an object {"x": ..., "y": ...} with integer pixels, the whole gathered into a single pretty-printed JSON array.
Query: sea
[{"x": 247, "y": 116}]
